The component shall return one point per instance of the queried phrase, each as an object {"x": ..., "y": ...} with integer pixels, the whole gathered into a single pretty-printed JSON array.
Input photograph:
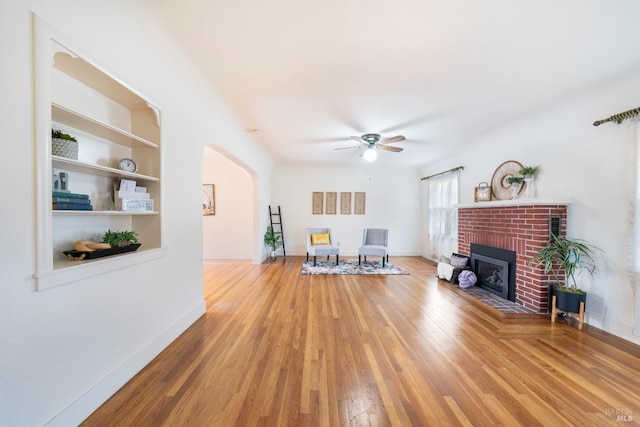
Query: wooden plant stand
[{"x": 555, "y": 311}]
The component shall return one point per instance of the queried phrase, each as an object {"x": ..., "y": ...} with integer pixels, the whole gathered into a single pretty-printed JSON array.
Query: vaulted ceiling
[{"x": 311, "y": 73}]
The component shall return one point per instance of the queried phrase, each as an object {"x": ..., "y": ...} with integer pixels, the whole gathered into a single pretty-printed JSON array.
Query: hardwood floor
[{"x": 276, "y": 348}]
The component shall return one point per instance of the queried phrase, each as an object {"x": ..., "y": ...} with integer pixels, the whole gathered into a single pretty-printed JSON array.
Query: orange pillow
[{"x": 320, "y": 239}]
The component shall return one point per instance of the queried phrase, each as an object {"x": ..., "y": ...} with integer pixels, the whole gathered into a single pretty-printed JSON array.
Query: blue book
[
  {"x": 72, "y": 207},
  {"x": 71, "y": 200},
  {"x": 71, "y": 195}
]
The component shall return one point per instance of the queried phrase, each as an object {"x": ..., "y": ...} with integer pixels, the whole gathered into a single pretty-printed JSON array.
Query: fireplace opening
[{"x": 495, "y": 269}]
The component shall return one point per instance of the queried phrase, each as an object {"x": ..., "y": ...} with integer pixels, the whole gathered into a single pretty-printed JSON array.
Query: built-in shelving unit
[{"x": 111, "y": 121}]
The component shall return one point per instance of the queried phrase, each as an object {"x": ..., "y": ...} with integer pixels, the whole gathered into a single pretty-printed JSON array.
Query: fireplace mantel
[{"x": 538, "y": 201}]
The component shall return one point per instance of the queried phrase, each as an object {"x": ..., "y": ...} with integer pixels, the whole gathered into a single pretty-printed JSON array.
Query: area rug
[{"x": 350, "y": 266}]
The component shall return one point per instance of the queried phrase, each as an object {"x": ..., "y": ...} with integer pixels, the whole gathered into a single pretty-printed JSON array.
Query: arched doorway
[{"x": 229, "y": 228}]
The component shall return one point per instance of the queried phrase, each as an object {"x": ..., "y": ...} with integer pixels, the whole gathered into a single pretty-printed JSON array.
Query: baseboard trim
[{"x": 86, "y": 404}]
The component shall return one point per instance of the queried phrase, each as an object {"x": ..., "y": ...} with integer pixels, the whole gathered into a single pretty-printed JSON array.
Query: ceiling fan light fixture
[{"x": 370, "y": 154}]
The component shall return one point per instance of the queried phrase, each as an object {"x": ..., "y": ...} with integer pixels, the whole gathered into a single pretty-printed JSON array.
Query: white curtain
[
  {"x": 631, "y": 135},
  {"x": 442, "y": 212}
]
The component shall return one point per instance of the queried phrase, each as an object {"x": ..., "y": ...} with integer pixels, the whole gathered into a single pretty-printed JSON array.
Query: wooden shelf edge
[
  {"x": 105, "y": 213},
  {"x": 73, "y": 118},
  {"x": 78, "y": 166}
]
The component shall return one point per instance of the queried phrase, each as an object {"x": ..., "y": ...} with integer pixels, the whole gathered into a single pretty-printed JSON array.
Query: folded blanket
[{"x": 445, "y": 271}]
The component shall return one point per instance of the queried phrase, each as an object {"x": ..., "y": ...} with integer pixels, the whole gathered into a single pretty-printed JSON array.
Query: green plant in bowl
[
  {"x": 517, "y": 180},
  {"x": 57, "y": 133},
  {"x": 120, "y": 238}
]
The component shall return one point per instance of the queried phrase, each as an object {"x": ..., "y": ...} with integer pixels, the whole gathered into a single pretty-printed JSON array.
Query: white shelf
[
  {"x": 100, "y": 213},
  {"x": 82, "y": 167},
  {"x": 96, "y": 127},
  {"x": 66, "y": 271},
  {"x": 537, "y": 201}
]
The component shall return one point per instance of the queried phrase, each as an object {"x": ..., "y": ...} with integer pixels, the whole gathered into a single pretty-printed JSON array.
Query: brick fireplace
[{"x": 521, "y": 226}]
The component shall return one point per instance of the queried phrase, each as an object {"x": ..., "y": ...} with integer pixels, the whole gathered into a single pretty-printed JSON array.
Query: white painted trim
[
  {"x": 518, "y": 202},
  {"x": 84, "y": 269},
  {"x": 93, "y": 398}
]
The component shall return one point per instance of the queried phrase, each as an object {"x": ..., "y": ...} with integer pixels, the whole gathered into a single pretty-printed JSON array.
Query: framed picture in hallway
[{"x": 208, "y": 199}]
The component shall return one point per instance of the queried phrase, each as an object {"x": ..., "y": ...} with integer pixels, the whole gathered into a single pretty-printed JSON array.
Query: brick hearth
[{"x": 518, "y": 225}]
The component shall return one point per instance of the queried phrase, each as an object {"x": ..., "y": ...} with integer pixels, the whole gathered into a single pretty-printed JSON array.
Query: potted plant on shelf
[
  {"x": 273, "y": 239},
  {"x": 120, "y": 238},
  {"x": 529, "y": 173},
  {"x": 569, "y": 257},
  {"x": 515, "y": 182},
  {"x": 63, "y": 144}
]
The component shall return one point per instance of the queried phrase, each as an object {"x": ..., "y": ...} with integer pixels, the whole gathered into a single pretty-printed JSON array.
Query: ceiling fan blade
[
  {"x": 392, "y": 139},
  {"x": 390, "y": 148},
  {"x": 360, "y": 140},
  {"x": 347, "y": 148}
]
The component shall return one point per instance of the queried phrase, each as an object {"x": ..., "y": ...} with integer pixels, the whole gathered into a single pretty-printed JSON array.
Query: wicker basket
[{"x": 64, "y": 148}]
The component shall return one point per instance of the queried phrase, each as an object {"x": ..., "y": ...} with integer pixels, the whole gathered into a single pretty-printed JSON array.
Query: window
[{"x": 442, "y": 198}]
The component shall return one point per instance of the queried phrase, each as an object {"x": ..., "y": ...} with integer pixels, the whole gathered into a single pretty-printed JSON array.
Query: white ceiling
[{"x": 311, "y": 73}]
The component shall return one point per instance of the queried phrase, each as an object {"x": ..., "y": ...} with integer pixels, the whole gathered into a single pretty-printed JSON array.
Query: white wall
[
  {"x": 228, "y": 233},
  {"x": 392, "y": 201},
  {"x": 65, "y": 350},
  {"x": 589, "y": 164}
]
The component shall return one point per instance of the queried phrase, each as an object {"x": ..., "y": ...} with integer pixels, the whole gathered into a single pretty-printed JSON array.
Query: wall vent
[{"x": 554, "y": 226}]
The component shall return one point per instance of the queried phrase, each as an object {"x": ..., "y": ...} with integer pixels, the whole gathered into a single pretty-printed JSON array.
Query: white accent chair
[
  {"x": 316, "y": 250},
  {"x": 375, "y": 242}
]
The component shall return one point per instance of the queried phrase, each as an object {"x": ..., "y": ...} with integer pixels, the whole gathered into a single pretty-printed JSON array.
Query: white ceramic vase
[{"x": 530, "y": 187}]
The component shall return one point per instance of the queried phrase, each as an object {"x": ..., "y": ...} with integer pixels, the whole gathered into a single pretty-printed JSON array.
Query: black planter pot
[{"x": 568, "y": 301}]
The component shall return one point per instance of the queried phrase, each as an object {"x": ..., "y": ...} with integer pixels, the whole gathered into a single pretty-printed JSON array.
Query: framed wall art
[
  {"x": 359, "y": 203},
  {"x": 208, "y": 199},
  {"x": 317, "y": 203},
  {"x": 345, "y": 203},
  {"x": 331, "y": 200}
]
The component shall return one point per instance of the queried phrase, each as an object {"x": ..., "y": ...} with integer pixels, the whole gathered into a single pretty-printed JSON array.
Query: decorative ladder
[{"x": 279, "y": 224}]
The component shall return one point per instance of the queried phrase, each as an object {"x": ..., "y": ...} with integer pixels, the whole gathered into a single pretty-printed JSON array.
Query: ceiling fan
[{"x": 372, "y": 141}]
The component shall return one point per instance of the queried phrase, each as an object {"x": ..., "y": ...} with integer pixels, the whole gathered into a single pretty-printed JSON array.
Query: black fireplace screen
[{"x": 492, "y": 273}]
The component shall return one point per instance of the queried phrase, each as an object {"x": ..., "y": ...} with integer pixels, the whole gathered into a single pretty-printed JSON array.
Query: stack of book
[{"x": 63, "y": 201}]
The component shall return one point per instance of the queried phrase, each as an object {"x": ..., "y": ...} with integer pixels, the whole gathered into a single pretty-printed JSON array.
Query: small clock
[
  {"x": 482, "y": 193},
  {"x": 127, "y": 165}
]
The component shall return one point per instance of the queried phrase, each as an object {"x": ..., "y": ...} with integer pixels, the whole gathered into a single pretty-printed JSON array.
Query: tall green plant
[
  {"x": 273, "y": 238},
  {"x": 571, "y": 256}
]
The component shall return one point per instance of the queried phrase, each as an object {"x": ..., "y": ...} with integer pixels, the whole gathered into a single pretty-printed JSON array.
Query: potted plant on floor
[
  {"x": 273, "y": 239},
  {"x": 562, "y": 255}
]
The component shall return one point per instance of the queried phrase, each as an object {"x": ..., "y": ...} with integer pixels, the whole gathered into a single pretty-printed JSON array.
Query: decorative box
[{"x": 134, "y": 205}]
